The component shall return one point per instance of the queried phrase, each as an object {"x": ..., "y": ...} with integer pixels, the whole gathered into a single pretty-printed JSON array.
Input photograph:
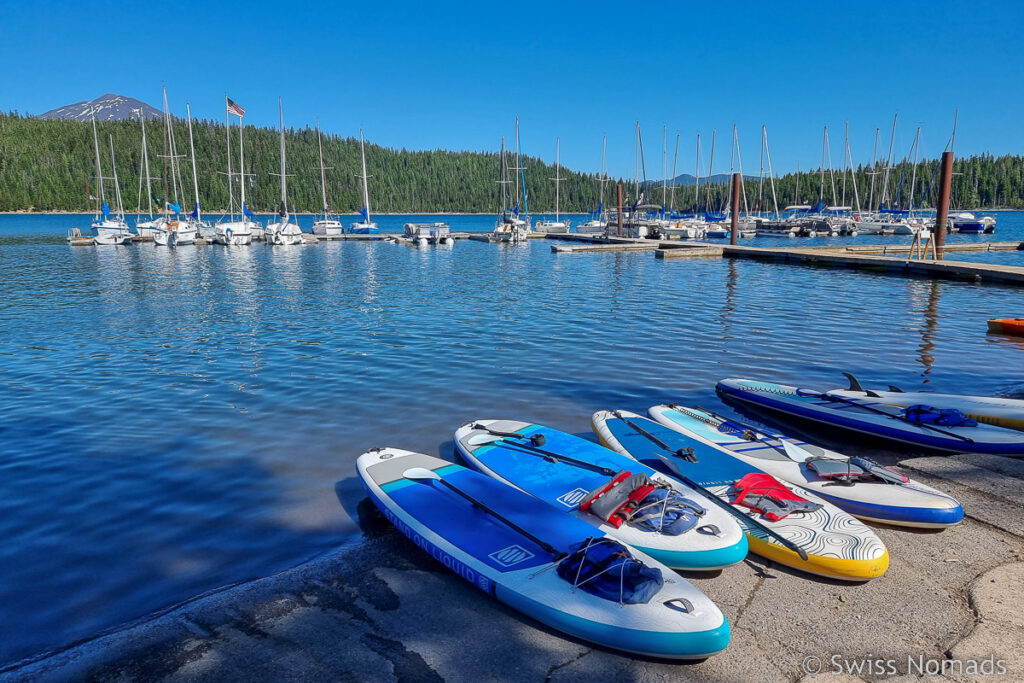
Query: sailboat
[
  {"x": 599, "y": 222},
  {"x": 507, "y": 221},
  {"x": 235, "y": 232},
  {"x": 365, "y": 226},
  {"x": 105, "y": 229},
  {"x": 557, "y": 225},
  {"x": 173, "y": 231},
  {"x": 326, "y": 225},
  {"x": 144, "y": 228},
  {"x": 284, "y": 232}
]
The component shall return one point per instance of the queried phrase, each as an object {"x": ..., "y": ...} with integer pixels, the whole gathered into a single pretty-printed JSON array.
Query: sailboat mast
[
  {"x": 739, "y": 161},
  {"x": 913, "y": 175},
  {"x": 518, "y": 164},
  {"x": 145, "y": 159},
  {"x": 227, "y": 131},
  {"x": 366, "y": 189},
  {"x": 117, "y": 186},
  {"x": 142, "y": 170},
  {"x": 831, "y": 173},
  {"x": 846, "y": 158},
  {"x": 675, "y": 166},
  {"x": 99, "y": 169},
  {"x": 284, "y": 178},
  {"x": 821, "y": 185},
  {"x": 604, "y": 172},
  {"x": 192, "y": 151},
  {"x": 558, "y": 179},
  {"x": 241, "y": 167},
  {"x": 522, "y": 173},
  {"x": 874, "y": 171},
  {"x": 166, "y": 155},
  {"x": 636, "y": 151},
  {"x": 771, "y": 172},
  {"x": 711, "y": 166},
  {"x": 888, "y": 163},
  {"x": 323, "y": 171},
  {"x": 664, "y": 164},
  {"x": 502, "y": 178},
  {"x": 696, "y": 182},
  {"x": 853, "y": 177}
]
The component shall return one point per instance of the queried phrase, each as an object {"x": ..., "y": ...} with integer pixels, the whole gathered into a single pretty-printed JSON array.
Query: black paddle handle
[
  {"x": 841, "y": 399},
  {"x": 541, "y": 453},
  {"x": 749, "y": 520},
  {"x": 557, "y": 554}
]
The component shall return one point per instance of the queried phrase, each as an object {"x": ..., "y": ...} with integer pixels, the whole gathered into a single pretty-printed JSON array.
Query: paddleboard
[
  {"x": 716, "y": 542},
  {"x": 837, "y": 545},
  {"x": 993, "y": 410},
  {"x": 900, "y": 503},
  {"x": 678, "y": 622},
  {"x": 872, "y": 417}
]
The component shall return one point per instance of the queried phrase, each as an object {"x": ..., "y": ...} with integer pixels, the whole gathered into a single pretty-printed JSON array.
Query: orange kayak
[{"x": 1014, "y": 326}]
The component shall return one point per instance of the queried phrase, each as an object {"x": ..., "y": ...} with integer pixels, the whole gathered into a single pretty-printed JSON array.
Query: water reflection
[{"x": 929, "y": 330}]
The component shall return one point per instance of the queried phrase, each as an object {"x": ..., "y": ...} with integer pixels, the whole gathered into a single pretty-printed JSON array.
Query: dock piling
[
  {"x": 942, "y": 210},
  {"x": 735, "y": 213}
]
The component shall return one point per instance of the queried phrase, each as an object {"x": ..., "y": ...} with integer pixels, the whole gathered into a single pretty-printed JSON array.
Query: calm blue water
[{"x": 172, "y": 421}]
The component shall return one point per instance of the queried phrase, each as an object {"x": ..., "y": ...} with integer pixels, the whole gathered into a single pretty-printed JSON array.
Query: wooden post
[
  {"x": 942, "y": 210},
  {"x": 735, "y": 208},
  {"x": 619, "y": 188}
]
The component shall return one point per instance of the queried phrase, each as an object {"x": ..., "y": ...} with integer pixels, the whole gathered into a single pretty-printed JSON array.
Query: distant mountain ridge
[{"x": 109, "y": 107}]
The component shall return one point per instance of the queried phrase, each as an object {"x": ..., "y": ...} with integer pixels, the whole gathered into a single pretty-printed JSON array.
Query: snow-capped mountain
[{"x": 108, "y": 107}]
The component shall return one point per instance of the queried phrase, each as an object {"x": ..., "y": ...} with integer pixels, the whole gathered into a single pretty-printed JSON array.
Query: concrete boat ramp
[{"x": 382, "y": 610}]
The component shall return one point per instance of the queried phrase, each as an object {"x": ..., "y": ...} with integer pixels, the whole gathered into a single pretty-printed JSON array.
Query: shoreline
[{"x": 378, "y": 608}]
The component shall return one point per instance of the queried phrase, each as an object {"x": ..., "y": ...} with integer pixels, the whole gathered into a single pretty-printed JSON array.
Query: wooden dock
[{"x": 842, "y": 258}]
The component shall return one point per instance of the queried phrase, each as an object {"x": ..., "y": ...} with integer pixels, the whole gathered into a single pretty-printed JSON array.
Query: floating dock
[{"x": 928, "y": 268}]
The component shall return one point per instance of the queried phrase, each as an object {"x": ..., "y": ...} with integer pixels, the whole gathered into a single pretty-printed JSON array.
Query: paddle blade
[
  {"x": 421, "y": 474},
  {"x": 795, "y": 453}
]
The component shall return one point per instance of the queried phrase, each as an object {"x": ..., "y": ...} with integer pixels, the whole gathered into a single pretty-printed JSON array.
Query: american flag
[{"x": 234, "y": 108}]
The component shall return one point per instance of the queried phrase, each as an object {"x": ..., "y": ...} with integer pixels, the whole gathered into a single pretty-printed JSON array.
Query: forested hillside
[{"x": 48, "y": 165}]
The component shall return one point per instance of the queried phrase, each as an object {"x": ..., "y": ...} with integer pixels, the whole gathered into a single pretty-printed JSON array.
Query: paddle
[
  {"x": 895, "y": 416},
  {"x": 684, "y": 453},
  {"x": 791, "y": 451},
  {"x": 532, "y": 449},
  {"x": 423, "y": 475},
  {"x": 785, "y": 542}
]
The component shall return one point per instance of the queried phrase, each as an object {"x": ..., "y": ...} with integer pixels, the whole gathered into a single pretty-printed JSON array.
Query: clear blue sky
[{"x": 426, "y": 75}]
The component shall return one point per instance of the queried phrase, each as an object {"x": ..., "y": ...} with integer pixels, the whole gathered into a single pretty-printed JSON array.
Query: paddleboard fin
[{"x": 855, "y": 384}]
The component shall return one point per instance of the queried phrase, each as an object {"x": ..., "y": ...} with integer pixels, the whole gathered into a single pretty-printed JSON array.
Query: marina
[{"x": 418, "y": 383}]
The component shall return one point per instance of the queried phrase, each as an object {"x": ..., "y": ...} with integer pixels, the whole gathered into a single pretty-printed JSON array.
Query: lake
[{"x": 172, "y": 421}]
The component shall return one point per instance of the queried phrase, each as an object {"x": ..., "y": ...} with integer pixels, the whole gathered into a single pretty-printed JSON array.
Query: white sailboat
[
  {"x": 365, "y": 226},
  {"x": 507, "y": 221},
  {"x": 144, "y": 228},
  {"x": 328, "y": 225},
  {"x": 108, "y": 230},
  {"x": 173, "y": 231},
  {"x": 283, "y": 232},
  {"x": 599, "y": 223},
  {"x": 235, "y": 231},
  {"x": 558, "y": 225}
]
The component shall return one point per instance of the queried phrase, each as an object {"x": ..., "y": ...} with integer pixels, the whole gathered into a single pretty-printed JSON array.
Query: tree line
[{"x": 49, "y": 165}]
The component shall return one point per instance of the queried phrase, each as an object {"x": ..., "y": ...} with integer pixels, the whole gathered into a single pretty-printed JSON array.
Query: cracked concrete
[{"x": 384, "y": 611}]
